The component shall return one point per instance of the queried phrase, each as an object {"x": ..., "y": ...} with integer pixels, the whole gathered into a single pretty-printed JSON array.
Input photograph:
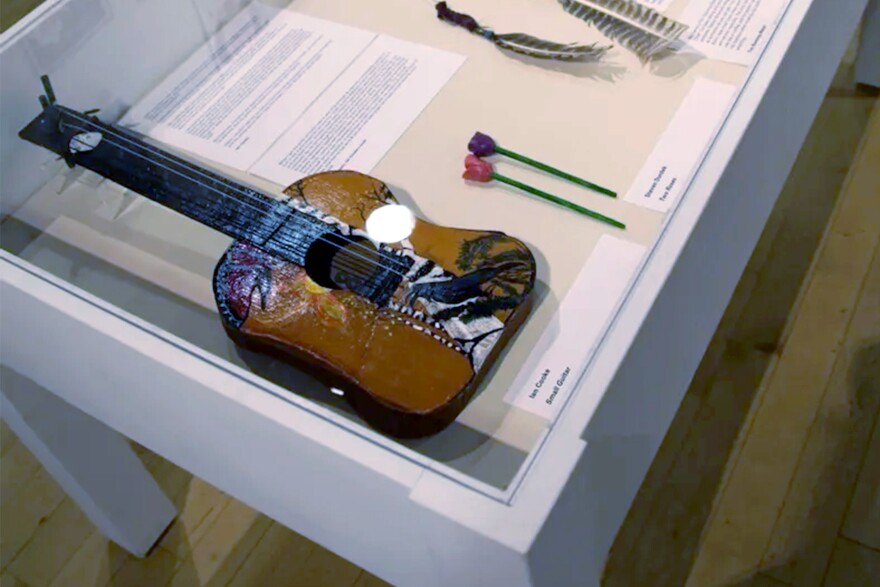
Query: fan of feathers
[{"x": 632, "y": 25}]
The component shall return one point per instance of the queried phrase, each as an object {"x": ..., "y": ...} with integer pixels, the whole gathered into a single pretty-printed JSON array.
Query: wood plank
[
  {"x": 670, "y": 539},
  {"x": 743, "y": 521},
  {"x": 277, "y": 559},
  {"x": 325, "y": 569},
  {"x": 8, "y": 439},
  {"x": 173, "y": 480},
  {"x": 863, "y": 519},
  {"x": 17, "y": 467},
  {"x": 199, "y": 504},
  {"x": 93, "y": 463},
  {"x": 215, "y": 559},
  {"x": 755, "y": 318},
  {"x": 53, "y": 544},
  {"x": 805, "y": 532},
  {"x": 761, "y": 580},
  {"x": 10, "y": 580},
  {"x": 33, "y": 500},
  {"x": 154, "y": 571},
  {"x": 807, "y": 201},
  {"x": 13, "y": 10},
  {"x": 368, "y": 580},
  {"x": 644, "y": 506},
  {"x": 853, "y": 565},
  {"x": 94, "y": 563}
]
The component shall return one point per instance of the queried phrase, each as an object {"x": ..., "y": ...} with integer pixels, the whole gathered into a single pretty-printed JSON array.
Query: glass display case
[{"x": 542, "y": 461}]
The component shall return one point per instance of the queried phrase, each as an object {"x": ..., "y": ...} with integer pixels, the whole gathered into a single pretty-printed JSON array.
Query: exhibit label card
[
  {"x": 731, "y": 30},
  {"x": 360, "y": 117},
  {"x": 554, "y": 366},
  {"x": 262, "y": 70},
  {"x": 675, "y": 158}
]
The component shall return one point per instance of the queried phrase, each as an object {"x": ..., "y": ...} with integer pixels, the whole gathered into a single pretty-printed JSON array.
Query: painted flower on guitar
[
  {"x": 251, "y": 277},
  {"x": 247, "y": 278},
  {"x": 320, "y": 301},
  {"x": 475, "y": 169},
  {"x": 482, "y": 145},
  {"x": 303, "y": 297}
]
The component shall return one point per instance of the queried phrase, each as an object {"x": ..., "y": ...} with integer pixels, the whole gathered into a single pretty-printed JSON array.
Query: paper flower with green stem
[
  {"x": 482, "y": 145},
  {"x": 478, "y": 170}
]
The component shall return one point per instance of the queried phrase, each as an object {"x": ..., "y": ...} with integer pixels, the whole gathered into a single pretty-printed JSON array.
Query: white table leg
[
  {"x": 868, "y": 63},
  {"x": 95, "y": 465}
]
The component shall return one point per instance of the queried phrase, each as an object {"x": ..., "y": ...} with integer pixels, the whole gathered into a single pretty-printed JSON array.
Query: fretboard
[
  {"x": 123, "y": 157},
  {"x": 237, "y": 210}
]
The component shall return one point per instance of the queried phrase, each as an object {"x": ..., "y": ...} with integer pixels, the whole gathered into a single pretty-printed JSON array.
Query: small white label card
[
  {"x": 731, "y": 30},
  {"x": 360, "y": 117},
  {"x": 554, "y": 366},
  {"x": 259, "y": 73},
  {"x": 680, "y": 149}
]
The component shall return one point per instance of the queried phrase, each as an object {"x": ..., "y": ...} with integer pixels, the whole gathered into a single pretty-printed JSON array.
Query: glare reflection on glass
[{"x": 390, "y": 224}]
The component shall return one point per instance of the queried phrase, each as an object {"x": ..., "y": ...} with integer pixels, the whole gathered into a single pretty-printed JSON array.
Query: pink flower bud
[{"x": 475, "y": 169}]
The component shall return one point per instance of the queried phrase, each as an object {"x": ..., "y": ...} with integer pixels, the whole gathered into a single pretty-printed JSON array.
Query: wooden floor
[
  {"x": 769, "y": 476},
  {"x": 11, "y": 11}
]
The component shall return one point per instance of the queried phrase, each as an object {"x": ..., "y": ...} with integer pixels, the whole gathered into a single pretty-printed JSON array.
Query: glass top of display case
[{"x": 238, "y": 101}]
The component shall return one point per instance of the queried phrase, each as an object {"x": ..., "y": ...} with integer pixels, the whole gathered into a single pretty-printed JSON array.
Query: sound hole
[{"x": 341, "y": 262}]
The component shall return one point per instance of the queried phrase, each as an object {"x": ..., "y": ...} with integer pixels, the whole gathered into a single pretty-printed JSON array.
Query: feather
[
  {"x": 522, "y": 43},
  {"x": 642, "y": 30},
  {"x": 540, "y": 49}
]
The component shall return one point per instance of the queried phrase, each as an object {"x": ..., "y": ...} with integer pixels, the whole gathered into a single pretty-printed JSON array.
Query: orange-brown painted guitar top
[
  {"x": 410, "y": 365},
  {"x": 406, "y": 327}
]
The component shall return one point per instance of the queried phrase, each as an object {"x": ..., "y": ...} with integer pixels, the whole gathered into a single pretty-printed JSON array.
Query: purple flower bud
[
  {"x": 482, "y": 145},
  {"x": 463, "y": 20}
]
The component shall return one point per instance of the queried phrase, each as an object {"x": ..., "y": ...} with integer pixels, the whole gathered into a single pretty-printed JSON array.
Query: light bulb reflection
[{"x": 390, "y": 224}]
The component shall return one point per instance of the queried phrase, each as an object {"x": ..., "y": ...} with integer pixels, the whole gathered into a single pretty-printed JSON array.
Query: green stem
[
  {"x": 554, "y": 171},
  {"x": 557, "y": 200}
]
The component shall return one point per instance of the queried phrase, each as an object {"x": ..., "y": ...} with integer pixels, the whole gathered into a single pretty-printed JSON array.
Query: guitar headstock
[{"x": 61, "y": 130}]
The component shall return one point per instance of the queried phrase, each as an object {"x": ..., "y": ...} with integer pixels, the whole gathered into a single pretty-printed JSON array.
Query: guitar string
[
  {"x": 197, "y": 170},
  {"x": 351, "y": 268},
  {"x": 180, "y": 161},
  {"x": 191, "y": 167},
  {"x": 194, "y": 168}
]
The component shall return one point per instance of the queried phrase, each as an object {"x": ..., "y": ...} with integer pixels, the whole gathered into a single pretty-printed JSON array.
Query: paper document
[
  {"x": 554, "y": 366},
  {"x": 731, "y": 30},
  {"x": 227, "y": 101},
  {"x": 343, "y": 95},
  {"x": 363, "y": 113},
  {"x": 676, "y": 156}
]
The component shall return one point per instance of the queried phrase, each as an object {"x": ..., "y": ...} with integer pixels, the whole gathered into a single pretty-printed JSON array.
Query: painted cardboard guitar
[{"x": 405, "y": 317}]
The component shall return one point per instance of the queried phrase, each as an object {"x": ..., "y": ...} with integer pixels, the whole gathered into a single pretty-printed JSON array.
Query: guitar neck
[{"x": 234, "y": 209}]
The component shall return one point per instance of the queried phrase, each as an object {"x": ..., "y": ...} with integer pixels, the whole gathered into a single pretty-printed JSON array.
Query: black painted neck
[
  {"x": 234, "y": 209},
  {"x": 239, "y": 211}
]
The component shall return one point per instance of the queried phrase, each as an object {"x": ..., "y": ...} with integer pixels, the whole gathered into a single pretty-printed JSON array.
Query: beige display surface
[{"x": 599, "y": 121}]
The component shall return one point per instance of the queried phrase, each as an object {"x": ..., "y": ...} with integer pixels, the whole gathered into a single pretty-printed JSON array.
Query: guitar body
[{"x": 408, "y": 367}]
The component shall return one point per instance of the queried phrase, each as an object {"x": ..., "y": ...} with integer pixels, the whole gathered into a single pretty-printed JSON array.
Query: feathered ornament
[
  {"x": 642, "y": 30},
  {"x": 522, "y": 43}
]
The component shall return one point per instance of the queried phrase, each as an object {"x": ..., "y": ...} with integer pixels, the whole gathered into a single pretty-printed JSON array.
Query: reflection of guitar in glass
[{"x": 402, "y": 315}]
